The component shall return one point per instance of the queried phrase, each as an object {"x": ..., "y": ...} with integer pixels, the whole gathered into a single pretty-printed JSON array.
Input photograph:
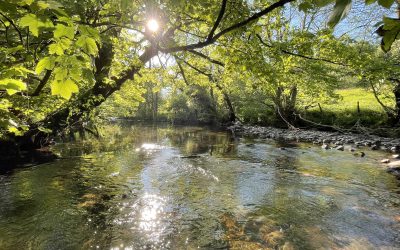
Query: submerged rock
[
  {"x": 394, "y": 164},
  {"x": 325, "y": 146},
  {"x": 385, "y": 161},
  {"x": 340, "y": 147}
]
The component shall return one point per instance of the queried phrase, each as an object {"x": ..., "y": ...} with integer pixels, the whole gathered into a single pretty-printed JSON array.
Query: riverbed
[{"x": 158, "y": 187}]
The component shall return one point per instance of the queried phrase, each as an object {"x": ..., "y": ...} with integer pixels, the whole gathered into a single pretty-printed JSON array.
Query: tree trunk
[{"x": 285, "y": 105}]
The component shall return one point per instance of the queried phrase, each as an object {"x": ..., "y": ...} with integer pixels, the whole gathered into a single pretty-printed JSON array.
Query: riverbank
[{"x": 329, "y": 140}]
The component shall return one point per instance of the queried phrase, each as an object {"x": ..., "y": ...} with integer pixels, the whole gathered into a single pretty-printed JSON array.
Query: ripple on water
[{"x": 137, "y": 192}]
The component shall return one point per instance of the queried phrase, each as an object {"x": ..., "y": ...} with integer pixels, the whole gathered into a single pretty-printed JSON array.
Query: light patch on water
[
  {"x": 149, "y": 148},
  {"x": 150, "y": 212}
]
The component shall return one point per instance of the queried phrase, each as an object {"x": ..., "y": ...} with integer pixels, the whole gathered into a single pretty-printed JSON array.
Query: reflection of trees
[{"x": 200, "y": 141}]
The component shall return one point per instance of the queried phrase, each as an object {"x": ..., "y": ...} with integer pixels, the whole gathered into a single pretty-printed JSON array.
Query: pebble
[{"x": 385, "y": 161}]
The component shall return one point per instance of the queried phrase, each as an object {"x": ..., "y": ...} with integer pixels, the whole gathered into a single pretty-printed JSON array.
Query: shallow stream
[{"x": 188, "y": 187}]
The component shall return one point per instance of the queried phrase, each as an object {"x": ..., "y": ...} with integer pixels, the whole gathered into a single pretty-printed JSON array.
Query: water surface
[{"x": 188, "y": 188}]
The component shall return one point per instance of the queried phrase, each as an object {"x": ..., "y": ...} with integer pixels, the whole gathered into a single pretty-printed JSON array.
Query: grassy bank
[{"x": 355, "y": 104}]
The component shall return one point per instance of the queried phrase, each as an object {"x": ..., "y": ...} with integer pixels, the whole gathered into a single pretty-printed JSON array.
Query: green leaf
[
  {"x": 34, "y": 23},
  {"x": 64, "y": 31},
  {"x": 88, "y": 45},
  {"x": 56, "y": 48},
  {"x": 42, "y": 5},
  {"x": 368, "y": 2},
  {"x": 89, "y": 32},
  {"x": 12, "y": 86},
  {"x": 45, "y": 63},
  {"x": 340, "y": 10},
  {"x": 64, "y": 88},
  {"x": 386, "y": 3},
  {"x": 60, "y": 46},
  {"x": 25, "y": 2},
  {"x": 14, "y": 49},
  {"x": 31, "y": 21},
  {"x": 60, "y": 73}
]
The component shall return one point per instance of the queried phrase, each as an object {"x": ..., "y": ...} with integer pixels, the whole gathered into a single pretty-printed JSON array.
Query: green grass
[{"x": 343, "y": 111}]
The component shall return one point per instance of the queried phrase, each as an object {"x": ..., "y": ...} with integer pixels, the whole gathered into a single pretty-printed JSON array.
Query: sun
[{"x": 152, "y": 25}]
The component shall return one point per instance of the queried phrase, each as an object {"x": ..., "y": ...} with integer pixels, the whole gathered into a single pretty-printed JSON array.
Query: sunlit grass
[{"x": 344, "y": 111}]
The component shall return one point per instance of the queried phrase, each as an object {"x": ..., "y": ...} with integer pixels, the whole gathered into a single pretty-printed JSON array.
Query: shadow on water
[{"x": 189, "y": 187}]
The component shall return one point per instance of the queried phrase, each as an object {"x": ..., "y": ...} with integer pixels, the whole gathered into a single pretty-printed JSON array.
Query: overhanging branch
[
  {"x": 302, "y": 56},
  {"x": 238, "y": 25}
]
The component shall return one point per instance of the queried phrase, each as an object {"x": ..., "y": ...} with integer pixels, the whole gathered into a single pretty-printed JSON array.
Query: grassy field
[{"x": 344, "y": 112}]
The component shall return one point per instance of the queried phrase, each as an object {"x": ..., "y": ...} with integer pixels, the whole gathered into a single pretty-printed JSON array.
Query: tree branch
[
  {"x": 15, "y": 27},
  {"x": 207, "y": 57},
  {"x": 182, "y": 72},
  {"x": 300, "y": 55},
  {"x": 218, "y": 21},
  {"x": 42, "y": 83},
  {"x": 238, "y": 25}
]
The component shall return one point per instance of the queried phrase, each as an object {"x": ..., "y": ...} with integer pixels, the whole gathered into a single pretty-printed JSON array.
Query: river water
[{"x": 188, "y": 188}]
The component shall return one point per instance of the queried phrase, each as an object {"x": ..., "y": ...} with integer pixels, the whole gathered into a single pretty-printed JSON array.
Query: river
[{"x": 149, "y": 187}]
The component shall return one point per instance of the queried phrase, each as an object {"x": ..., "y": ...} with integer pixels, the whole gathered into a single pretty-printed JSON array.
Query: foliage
[{"x": 62, "y": 60}]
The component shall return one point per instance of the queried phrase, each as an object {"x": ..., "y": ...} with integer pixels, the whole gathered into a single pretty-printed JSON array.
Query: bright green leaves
[
  {"x": 66, "y": 76},
  {"x": 64, "y": 88},
  {"x": 34, "y": 23},
  {"x": 88, "y": 45},
  {"x": 12, "y": 86},
  {"x": 48, "y": 5},
  {"x": 59, "y": 46},
  {"x": 87, "y": 39},
  {"x": 64, "y": 31},
  {"x": 389, "y": 32},
  {"x": 45, "y": 63},
  {"x": 63, "y": 36},
  {"x": 340, "y": 10},
  {"x": 85, "y": 30}
]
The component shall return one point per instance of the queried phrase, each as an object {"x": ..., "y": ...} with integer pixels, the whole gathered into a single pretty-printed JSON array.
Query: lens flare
[{"x": 152, "y": 25}]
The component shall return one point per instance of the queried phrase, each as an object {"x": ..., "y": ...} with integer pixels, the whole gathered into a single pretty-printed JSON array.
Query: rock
[
  {"x": 374, "y": 147},
  {"x": 352, "y": 149},
  {"x": 377, "y": 143},
  {"x": 282, "y": 148},
  {"x": 362, "y": 154},
  {"x": 368, "y": 143},
  {"x": 394, "y": 164},
  {"x": 325, "y": 146},
  {"x": 340, "y": 147},
  {"x": 326, "y": 141},
  {"x": 396, "y": 156},
  {"x": 385, "y": 161},
  {"x": 394, "y": 149}
]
